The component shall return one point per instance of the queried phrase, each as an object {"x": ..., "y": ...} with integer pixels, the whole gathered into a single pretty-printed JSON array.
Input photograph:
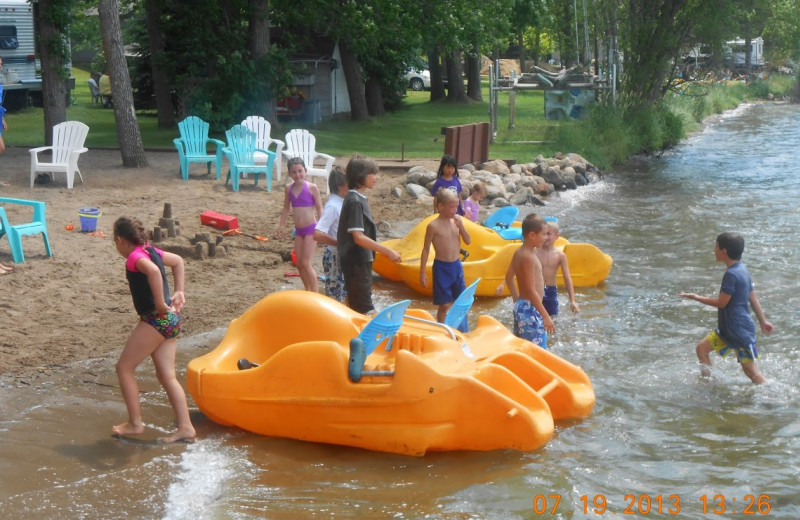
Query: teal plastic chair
[
  {"x": 193, "y": 143},
  {"x": 241, "y": 154},
  {"x": 457, "y": 315},
  {"x": 502, "y": 220},
  {"x": 15, "y": 233},
  {"x": 382, "y": 327}
]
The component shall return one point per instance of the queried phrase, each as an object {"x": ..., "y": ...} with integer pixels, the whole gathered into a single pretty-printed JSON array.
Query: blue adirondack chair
[
  {"x": 241, "y": 153},
  {"x": 501, "y": 221},
  {"x": 382, "y": 327},
  {"x": 35, "y": 226},
  {"x": 457, "y": 315},
  {"x": 193, "y": 143}
]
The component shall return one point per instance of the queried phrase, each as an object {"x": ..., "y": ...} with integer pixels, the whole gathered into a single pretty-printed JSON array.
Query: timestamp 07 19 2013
[{"x": 644, "y": 504}]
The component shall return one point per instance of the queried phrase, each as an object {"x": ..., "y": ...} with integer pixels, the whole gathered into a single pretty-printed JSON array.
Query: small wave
[{"x": 206, "y": 472}]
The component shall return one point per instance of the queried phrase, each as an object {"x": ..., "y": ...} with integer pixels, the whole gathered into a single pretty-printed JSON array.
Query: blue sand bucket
[{"x": 89, "y": 218}]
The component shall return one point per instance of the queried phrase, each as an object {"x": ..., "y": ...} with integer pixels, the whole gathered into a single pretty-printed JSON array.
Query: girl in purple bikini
[{"x": 306, "y": 203}]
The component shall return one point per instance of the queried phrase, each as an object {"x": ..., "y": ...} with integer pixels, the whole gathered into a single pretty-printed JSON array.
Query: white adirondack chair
[
  {"x": 68, "y": 138},
  {"x": 262, "y": 129},
  {"x": 301, "y": 143}
]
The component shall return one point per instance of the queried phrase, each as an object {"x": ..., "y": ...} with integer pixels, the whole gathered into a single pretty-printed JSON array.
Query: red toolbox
[{"x": 218, "y": 220}]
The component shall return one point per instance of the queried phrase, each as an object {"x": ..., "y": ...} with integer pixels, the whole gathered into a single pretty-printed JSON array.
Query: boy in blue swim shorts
[
  {"x": 552, "y": 260},
  {"x": 531, "y": 320},
  {"x": 445, "y": 232},
  {"x": 736, "y": 330}
]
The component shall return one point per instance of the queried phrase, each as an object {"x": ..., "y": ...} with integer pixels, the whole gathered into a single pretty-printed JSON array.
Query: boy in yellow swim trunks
[{"x": 736, "y": 329}]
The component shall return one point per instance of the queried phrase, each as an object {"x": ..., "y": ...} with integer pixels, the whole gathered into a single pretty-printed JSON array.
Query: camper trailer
[
  {"x": 21, "y": 75},
  {"x": 736, "y": 52}
]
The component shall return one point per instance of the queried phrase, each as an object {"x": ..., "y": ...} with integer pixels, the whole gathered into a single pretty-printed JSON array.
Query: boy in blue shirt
[{"x": 735, "y": 327}]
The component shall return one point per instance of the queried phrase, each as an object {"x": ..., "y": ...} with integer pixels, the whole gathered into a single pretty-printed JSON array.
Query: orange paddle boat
[{"x": 303, "y": 366}]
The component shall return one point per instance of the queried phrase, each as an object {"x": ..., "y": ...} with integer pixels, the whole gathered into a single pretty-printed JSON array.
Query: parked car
[{"x": 418, "y": 79}]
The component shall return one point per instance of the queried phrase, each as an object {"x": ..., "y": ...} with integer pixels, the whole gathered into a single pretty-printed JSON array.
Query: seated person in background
[{"x": 105, "y": 90}]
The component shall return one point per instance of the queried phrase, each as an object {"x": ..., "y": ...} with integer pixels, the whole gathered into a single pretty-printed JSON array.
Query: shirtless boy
[
  {"x": 552, "y": 259},
  {"x": 445, "y": 232},
  {"x": 531, "y": 320}
]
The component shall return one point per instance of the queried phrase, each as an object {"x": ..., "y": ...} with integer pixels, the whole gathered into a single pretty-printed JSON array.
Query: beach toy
[
  {"x": 69, "y": 227},
  {"x": 294, "y": 257},
  {"x": 88, "y": 217}
]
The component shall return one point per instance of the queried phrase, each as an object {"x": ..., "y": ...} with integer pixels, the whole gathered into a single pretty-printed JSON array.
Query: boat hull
[{"x": 506, "y": 396}]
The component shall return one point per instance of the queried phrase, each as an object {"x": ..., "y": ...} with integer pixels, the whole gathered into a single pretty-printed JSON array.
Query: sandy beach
[{"x": 76, "y": 305}]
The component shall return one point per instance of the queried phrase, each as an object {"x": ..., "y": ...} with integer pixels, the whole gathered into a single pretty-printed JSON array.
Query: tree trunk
[
  {"x": 128, "y": 135},
  {"x": 521, "y": 47},
  {"x": 166, "y": 118},
  {"x": 374, "y": 95},
  {"x": 54, "y": 86},
  {"x": 455, "y": 78},
  {"x": 258, "y": 42},
  {"x": 474, "y": 90},
  {"x": 355, "y": 83},
  {"x": 437, "y": 82}
]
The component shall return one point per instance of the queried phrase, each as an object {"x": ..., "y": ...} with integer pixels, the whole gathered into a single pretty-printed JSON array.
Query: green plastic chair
[
  {"x": 382, "y": 327},
  {"x": 193, "y": 143},
  {"x": 15, "y": 233},
  {"x": 241, "y": 153}
]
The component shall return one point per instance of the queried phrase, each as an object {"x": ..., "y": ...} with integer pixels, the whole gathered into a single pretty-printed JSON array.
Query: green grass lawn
[{"x": 413, "y": 131}]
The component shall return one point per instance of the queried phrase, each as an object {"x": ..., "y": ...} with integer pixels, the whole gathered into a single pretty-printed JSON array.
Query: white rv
[
  {"x": 736, "y": 52},
  {"x": 17, "y": 43},
  {"x": 21, "y": 75}
]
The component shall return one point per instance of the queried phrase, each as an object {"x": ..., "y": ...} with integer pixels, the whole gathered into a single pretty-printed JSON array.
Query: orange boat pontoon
[{"x": 434, "y": 389}]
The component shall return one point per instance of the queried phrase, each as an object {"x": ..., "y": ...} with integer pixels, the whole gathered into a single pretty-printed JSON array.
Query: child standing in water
[
  {"x": 155, "y": 334},
  {"x": 531, "y": 320},
  {"x": 445, "y": 232},
  {"x": 326, "y": 231},
  {"x": 472, "y": 206},
  {"x": 735, "y": 327},
  {"x": 447, "y": 178},
  {"x": 552, "y": 259},
  {"x": 304, "y": 198}
]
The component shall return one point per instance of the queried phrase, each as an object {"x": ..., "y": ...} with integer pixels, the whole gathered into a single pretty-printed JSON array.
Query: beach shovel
[{"x": 237, "y": 231}]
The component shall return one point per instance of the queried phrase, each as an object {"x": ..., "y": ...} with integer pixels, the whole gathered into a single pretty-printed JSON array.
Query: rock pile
[{"x": 518, "y": 184}]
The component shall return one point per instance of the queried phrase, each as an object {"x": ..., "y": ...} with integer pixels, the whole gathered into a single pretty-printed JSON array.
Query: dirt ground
[{"x": 76, "y": 305}]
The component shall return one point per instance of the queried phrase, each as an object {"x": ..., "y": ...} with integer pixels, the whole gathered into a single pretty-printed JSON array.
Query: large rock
[
  {"x": 496, "y": 166},
  {"x": 526, "y": 197},
  {"x": 464, "y": 174},
  {"x": 494, "y": 191},
  {"x": 417, "y": 191},
  {"x": 421, "y": 176}
]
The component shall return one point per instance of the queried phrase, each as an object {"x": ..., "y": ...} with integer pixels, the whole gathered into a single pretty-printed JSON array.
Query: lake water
[{"x": 661, "y": 442}]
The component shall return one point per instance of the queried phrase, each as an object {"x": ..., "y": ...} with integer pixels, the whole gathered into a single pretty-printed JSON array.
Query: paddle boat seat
[
  {"x": 382, "y": 327},
  {"x": 457, "y": 315},
  {"x": 502, "y": 221}
]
